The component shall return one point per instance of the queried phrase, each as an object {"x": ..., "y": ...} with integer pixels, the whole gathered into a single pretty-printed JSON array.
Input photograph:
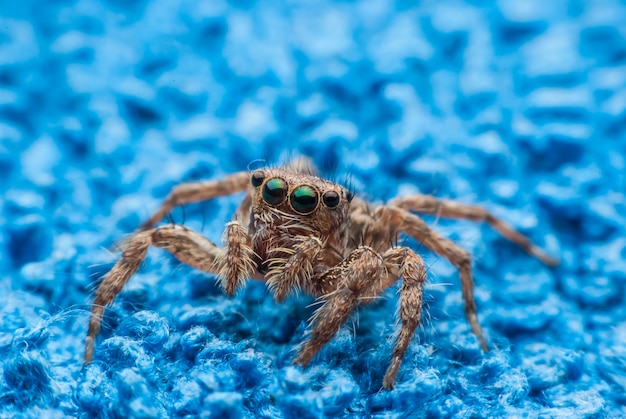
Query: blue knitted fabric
[{"x": 515, "y": 105}]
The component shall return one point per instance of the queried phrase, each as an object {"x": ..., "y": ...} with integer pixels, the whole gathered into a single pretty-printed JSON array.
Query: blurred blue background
[{"x": 519, "y": 106}]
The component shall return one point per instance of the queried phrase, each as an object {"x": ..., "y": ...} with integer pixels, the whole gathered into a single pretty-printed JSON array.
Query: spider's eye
[
  {"x": 331, "y": 199},
  {"x": 304, "y": 199},
  {"x": 349, "y": 196},
  {"x": 257, "y": 178},
  {"x": 274, "y": 191}
]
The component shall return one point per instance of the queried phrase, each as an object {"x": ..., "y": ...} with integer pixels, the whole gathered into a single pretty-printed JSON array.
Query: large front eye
[
  {"x": 275, "y": 191},
  {"x": 304, "y": 199}
]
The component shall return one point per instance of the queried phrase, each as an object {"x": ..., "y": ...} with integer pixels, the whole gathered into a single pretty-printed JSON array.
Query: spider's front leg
[
  {"x": 187, "y": 193},
  {"x": 187, "y": 246},
  {"x": 415, "y": 227},
  {"x": 360, "y": 279}
]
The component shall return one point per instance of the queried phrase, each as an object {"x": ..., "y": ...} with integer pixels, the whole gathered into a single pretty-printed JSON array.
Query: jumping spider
[{"x": 296, "y": 231}]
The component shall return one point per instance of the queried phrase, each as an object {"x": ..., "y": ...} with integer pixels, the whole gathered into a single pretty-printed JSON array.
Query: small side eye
[
  {"x": 275, "y": 191},
  {"x": 304, "y": 199},
  {"x": 331, "y": 199},
  {"x": 257, "y": 178},
  {"x": 349, "y": 196}
]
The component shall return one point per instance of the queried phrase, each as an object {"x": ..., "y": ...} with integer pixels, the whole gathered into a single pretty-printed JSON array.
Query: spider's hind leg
[{"x": 427, "y": 204}]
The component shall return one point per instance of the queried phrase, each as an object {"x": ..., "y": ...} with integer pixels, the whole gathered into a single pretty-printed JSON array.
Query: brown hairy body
[{"x": 296, "y": 231}]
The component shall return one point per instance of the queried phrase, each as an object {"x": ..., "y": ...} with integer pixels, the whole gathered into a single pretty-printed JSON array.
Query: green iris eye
[
  {"x": 274, "y": 191},
  {"x": 304, "y": 199}
]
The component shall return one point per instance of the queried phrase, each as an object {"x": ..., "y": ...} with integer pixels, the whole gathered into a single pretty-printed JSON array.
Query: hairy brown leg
[
  {"x": 187, "y": 246},
  {"x": 187, "y": 193},
  {"x": 359, "y": 279},
  {"x": 410, "y": 267},
  {"x": 291, "y": 269},
  {"x": 235, "y": 262},
  {"x": 344, "y": 284},
  {"x": 450, "y": 209},
  {"x": 459, "y": 257},
  {"x": 198, "y": 191}
]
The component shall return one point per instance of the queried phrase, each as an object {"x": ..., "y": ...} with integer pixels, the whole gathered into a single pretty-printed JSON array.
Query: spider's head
[{"x": 300, "y": 201}]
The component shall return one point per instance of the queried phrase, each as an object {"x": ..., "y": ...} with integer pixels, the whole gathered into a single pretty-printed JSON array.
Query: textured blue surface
[{"x": 519, "y": 106}]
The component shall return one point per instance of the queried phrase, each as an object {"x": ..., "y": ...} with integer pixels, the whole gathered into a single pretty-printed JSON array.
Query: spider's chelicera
[{"x": 296, "y": 231}]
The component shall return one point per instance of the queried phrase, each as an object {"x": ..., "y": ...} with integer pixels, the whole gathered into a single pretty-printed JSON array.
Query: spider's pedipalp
[
  {"x": 292, "y": 269},
  {"x": 236, "y": 261}
]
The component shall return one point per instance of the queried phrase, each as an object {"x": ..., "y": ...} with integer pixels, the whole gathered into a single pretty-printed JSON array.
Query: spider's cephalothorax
[
  {"x": 294, "y": 213},
  {"x": 296, "y": 231}
]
